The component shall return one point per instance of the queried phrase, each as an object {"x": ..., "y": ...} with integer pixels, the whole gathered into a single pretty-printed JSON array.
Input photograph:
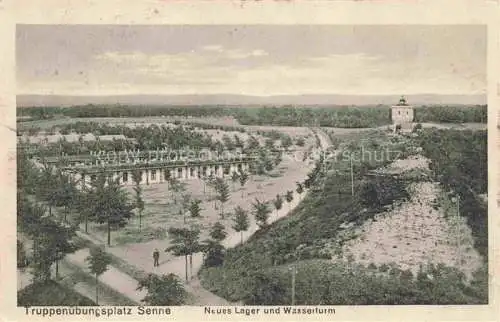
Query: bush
[{"x": 50, "y": 293}]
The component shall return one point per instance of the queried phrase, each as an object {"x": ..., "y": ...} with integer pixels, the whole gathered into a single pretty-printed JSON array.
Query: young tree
[
  {"x": 243, "y": 180},
  {"x": 300, "y": 141},
  {"x": 139, "y": 202},
  {"x": 84, "y": 206},
  {"x": 237, "y": 142},
  {"x": 167, "y": 177},
  {"x": 218, "y": 232},
  {"x": 162, "y": 290},
  {"x": 51, "y": 239},
  {"x": 98, "y": 264},
  {"x": 185, "y": 242},
  {"x": 65, "y": 192},
  {"x": 204, "y": 178},
  {"x": 111, "y": 205},
  {"x": 185, "y": 205},
  {"x": 49, "y": 187},
  {"x": 277, "y": 159},
  {"x": 194, "y": 208},
  {"x": 278, "y": 203},
  {"x": 261, "y": 212},
  {"x": 286, "y": 142},
  {"x": 58, "y": 239},
  {"x": 222, "y": 194},
  {"x": 22, "y": 257},
  {"x": 241, "y": 221},
  {"x": 269, "y": 143},
  {"x": 177, "y": 187},
  {"x": 300, "y": 188},
  {"x": 213, "y": 249},
  {"x": 234, "y": 178},
  {"x": 27, "y": 175},
  {"x": 210, "y": 179},
  {"x": 214, "y": 253}
]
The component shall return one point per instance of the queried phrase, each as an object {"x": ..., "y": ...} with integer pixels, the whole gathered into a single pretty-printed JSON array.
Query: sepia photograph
[{"x": 251, "y": 165}]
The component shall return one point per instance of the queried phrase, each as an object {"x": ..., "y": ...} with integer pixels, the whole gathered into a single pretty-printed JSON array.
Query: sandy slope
[{"x": 414, "y": 232}]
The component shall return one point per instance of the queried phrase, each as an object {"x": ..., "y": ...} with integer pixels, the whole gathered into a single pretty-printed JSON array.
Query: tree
[
  {"x": 286, "y": 142},
  {"x": 167, "y": 177},
  {"x": 222, "y": 190},
  {"x": 261, "y": 212},
  {"x": 84, "y": 206},
  {"x": 241, "y": 221},
  {"x": 234, "y": 178},
  {"x": 214, "y": 253},
  {"x": 289, "y": 197},
  {"x": 300, "y": 188},
  {"x": 139, "y": 203},
  {"x": 162, "y": 290},
  {"x": 269, "y": 143},
  {"x": 243, "y": 180},
  {"x": 204, "y": 178},
  {"x": 27, "y": 174},
  {"x": 278, "y": 202},
  {"x": 48, "y": 189},
  {"x": 66, "y": 192},
  {"x": 300, "y": 142},
  {"x": 58, "y": 239},
  {"x": 194, "y": 208},
  {"x": 278, "y": 159},
  {"x": 51, "y": 239},
  {"x": 110, "y": 205},
  {"x": 185, "y": 242},
  {"x": 98, "y": 264},
  {"x": 218, "y": 232},
  {"x": 213, "y": 249},
  {"x": 22, "y": 258},
  {"x": 177, "y": 188},
  {"x": 185, "y": 205}
]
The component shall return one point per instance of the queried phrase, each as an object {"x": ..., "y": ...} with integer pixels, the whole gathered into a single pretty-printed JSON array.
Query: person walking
[{"x": 156, "y": 257}]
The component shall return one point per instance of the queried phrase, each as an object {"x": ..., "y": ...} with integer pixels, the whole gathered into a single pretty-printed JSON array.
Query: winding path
[{"x": 126, "y": 285}]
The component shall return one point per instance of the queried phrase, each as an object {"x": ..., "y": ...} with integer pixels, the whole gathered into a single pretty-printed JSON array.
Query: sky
[{"x": 261, "y": 60}]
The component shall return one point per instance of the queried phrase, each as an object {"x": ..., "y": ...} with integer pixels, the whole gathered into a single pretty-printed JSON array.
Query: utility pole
[
  {"x": 352, "y": 176},
  {"x": 458, "y": 230},
  {"x": 294, "y": 272}
]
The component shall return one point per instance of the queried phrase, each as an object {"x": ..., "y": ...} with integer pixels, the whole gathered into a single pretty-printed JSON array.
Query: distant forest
[{"x": 331, "y": 116}]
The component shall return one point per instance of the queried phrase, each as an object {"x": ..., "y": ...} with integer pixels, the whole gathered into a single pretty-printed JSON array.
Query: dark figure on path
[{"x": 156, "y": 257}]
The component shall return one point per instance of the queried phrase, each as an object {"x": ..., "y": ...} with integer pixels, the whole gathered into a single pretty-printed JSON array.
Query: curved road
[{"x": 177, "y": 266}]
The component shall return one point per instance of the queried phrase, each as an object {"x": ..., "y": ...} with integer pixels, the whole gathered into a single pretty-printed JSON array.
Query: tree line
[
  {"x": 330, "y": 116},
  {"x": 459, "y": 162}
]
